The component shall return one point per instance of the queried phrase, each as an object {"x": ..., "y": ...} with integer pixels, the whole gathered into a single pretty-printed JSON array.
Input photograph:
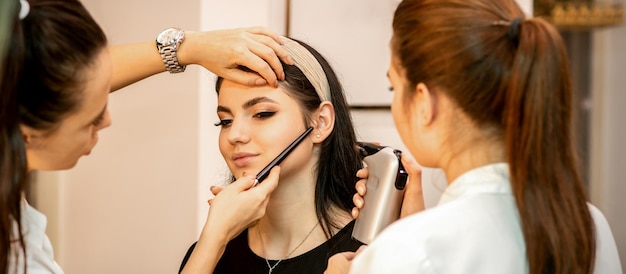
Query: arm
[
  {"x": 134, "y": 62},
  {"x": 234, "y": 208},
  {"x": 220, "y": 51},
  {"x": 341, "y": 263}
]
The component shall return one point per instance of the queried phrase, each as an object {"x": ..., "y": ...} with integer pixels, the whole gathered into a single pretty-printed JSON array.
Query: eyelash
[
  {"x": 261, "y": 115},
  {"x": 390, "y": 88},
  {"x": 223, "y": 123},
  {"x": 98, "y": 120},
  {"x": 264, "y": 114}
]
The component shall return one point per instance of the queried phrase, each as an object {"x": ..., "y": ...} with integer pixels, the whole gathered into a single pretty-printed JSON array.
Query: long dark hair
[
  {"x": 513, "y": 78},
  {"x": 338, "y": 161},
  {"x": 42, "y": 83}
]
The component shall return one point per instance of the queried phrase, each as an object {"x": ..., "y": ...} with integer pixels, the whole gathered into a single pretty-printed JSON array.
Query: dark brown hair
[
  {"x": 515, "y": 79},
  {"x": 42, "y": 83}
]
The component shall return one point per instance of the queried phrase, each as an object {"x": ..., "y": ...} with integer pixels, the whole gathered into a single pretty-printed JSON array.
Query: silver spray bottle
[{"x": 385, "y": 190}]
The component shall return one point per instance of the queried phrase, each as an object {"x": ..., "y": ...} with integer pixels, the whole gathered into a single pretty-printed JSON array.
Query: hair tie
[
  {"x": 24, "y": 9},
  {"x": 513, "y": 32}
]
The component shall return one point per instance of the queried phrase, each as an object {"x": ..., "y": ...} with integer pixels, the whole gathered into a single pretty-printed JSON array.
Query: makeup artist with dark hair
[{"x": 56, "y": 72}]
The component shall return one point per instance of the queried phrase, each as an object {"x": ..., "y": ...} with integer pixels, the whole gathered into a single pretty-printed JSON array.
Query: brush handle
[{"x": 266, "y": 170}]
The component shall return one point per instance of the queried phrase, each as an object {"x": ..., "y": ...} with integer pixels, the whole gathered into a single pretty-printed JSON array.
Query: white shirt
[
  {"x": 475, "y": 228},
  {"x": 39, "y": 253}
]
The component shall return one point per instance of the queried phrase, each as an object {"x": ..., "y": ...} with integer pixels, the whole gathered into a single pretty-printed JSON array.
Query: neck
[
  {"x": 292, "y": 204},
  {"x": 472, "y": 153},
  {"x": 290, "y": 217}
]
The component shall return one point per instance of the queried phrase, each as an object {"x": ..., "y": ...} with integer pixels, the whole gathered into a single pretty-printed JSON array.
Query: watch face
[{"x": 169, "y": 36}]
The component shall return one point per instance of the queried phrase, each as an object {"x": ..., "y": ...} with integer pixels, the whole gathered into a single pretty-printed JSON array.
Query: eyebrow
[
  {"x": 387, "y": 74},
  {"x": 248, "y": 104}
]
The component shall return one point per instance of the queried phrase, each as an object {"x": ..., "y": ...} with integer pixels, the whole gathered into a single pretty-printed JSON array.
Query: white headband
[
  {"x": 24, "y": 9},
  {"x": 308, "y": 64}
]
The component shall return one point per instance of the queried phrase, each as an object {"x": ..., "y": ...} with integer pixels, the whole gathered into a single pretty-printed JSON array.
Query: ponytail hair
[
  {"x": 510, "y": 76},
  {"x": 43, "y": 56},
  {"x": 548, "y": 188}
]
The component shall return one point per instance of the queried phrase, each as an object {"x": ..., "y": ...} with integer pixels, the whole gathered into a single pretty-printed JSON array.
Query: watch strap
[
  {"x": 168, "y": 42},
  {"x": 170, "y": 59}
]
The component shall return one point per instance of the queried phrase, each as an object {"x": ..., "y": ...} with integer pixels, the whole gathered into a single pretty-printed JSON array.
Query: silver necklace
[{"x": 271, "y": 268}]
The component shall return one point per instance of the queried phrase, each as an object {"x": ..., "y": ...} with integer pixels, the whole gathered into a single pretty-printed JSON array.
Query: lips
[{"x": 242, "y": 159}]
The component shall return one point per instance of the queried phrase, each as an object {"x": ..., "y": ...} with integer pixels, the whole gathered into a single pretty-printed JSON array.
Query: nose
[
  {"x": 238, "y": 132},
  {"x": 106, "y": 120}
]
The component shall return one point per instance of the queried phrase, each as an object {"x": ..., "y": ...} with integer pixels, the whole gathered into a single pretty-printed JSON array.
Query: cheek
[
  {"x": 402, "y": 119},
  {"x": 398, "y": 111},
  {"x": 223, "y": 143}
]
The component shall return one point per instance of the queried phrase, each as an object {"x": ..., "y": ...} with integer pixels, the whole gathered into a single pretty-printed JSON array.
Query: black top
[{"x": 239, "y": 258}]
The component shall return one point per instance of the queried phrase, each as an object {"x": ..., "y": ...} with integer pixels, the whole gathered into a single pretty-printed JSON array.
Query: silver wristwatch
[{"x": 167, "y": 43}]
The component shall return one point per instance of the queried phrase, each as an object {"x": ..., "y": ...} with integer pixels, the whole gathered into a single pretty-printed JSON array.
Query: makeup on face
[{"x": 266, "y": 170}]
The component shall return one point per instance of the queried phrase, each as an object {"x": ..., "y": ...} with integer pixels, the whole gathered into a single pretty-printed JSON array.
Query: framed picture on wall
[{"x": 354, "y": 36}]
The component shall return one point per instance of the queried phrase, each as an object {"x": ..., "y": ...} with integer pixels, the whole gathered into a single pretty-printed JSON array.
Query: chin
[
  {"x": 56, "y": 167},
  {"x": 68, "y": 165}
]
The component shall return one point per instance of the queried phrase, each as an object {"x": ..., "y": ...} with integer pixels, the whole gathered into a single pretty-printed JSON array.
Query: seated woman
[{"x": 307, "y": 219}]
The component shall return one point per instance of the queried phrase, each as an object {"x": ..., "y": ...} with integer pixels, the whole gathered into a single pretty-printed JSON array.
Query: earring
[{"x": 317, "y": 136}]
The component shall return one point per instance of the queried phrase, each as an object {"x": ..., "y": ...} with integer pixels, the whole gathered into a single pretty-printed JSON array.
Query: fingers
[
  {"x": 216, "y": 189},
  {"x": 267, "y": 47},
  {"x": 276, "y": 49},
  {"x": 280, "y": 51},
  {"x": 361, "y": 189},
  {"x": 358, "y": 202},
  {"x": 271, "y": 182},
  {"x": 348, "y": 255},
  {"x": 246, "y": 77},
  {"x": 363, "y": 173},
  {"x": 413, "y": 196},
  {"x": 339, "y": 263},
  {"x": 357, "y": 199},
  {"x": 354, "y": 212},
  {"x": 263, "y": 60},
  {"x": 243, "y": 183},
  {"x": 266, "y": 32},
  {"x": 361, "y": 248}
]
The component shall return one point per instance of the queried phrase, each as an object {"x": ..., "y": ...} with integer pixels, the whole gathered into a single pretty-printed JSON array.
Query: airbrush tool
[{"x": 385, "y": 190}]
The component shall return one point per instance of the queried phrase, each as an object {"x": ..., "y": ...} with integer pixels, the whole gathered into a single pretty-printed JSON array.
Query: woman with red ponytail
[{"x": 485, "y": 94}]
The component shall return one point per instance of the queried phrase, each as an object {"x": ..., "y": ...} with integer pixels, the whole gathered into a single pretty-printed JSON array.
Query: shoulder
[
  {"x": 233, "y": 247},
  {"x": 607, "y": 258},
  {"x": 343, "y": 241},
  {"x": 465, "y": 231},
  {"x": 39, "y": 252}
]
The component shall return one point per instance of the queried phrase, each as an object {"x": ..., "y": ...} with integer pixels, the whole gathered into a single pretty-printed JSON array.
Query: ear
[
  {"x": 426, "y": 105},
  {"x": 323, "y": 122},
  {"x": 29, "y": 135}
]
